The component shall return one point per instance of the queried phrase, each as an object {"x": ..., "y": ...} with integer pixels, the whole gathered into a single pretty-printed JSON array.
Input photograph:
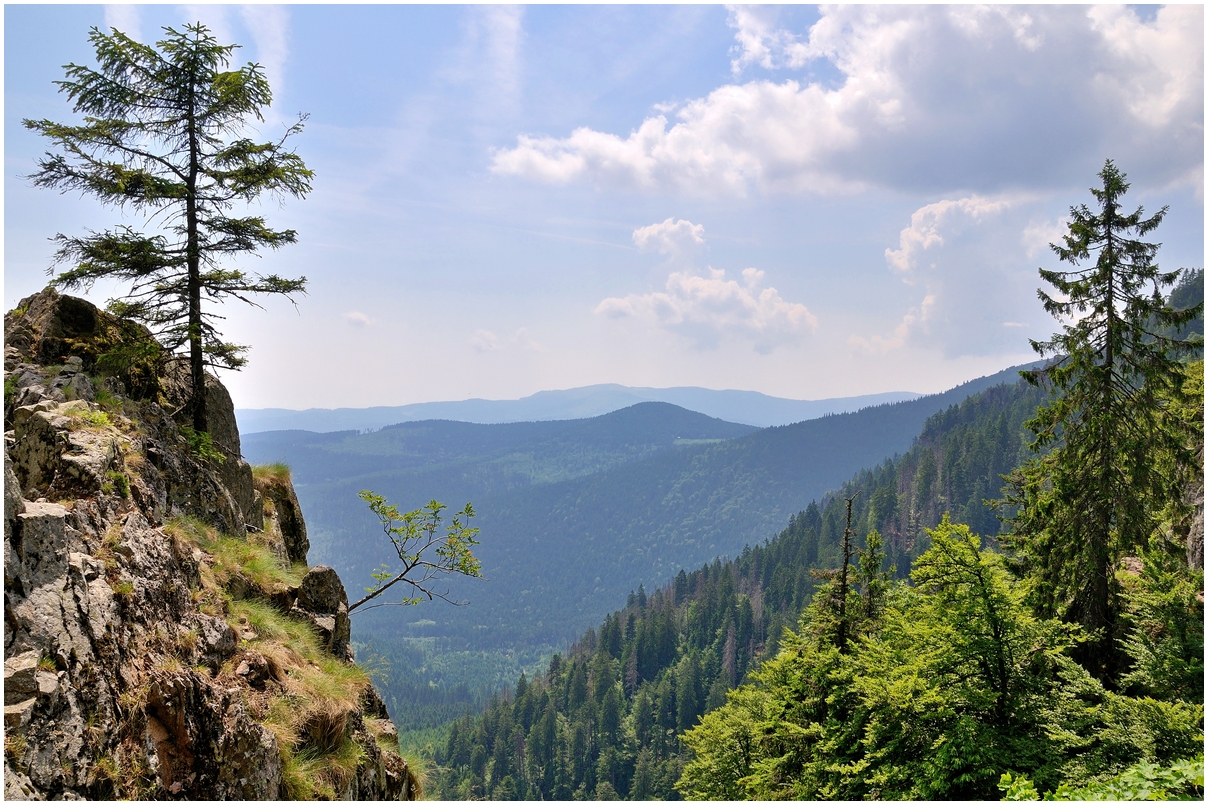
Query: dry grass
[
  {"x": 315, "y": 697},
  {"x": 309, "y": 711},
  {"x": 270, "y": 474}
]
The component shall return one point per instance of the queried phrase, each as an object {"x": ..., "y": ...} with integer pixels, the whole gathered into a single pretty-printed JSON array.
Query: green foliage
[
  {"x": 201, "y": 445},
  {"x": 133, "y": 356},
  {"x": 117, "y": 483},
  {"x": 161, "y": 134},
  {"x": 10, "y": 390},
  {"x": 1096, "y": 496},
  {"x": 957, "y": 684},
  {"x": 1181, "y": 780},
  {"x": 424, "y": 553},
  {"x": 84, "y": 417},
  {"x": 1165, "y": 643}
]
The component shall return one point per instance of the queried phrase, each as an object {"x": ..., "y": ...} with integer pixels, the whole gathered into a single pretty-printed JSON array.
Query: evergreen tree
[
  {"x": 162, "y": 134},
  {"x": 1094, "y": 496}
]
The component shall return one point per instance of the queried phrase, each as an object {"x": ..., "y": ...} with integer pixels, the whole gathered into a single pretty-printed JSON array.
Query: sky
[{"x": 804, "y": 201}]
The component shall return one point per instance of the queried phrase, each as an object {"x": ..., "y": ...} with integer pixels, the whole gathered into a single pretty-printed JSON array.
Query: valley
[{"x": 574, "y": 515}]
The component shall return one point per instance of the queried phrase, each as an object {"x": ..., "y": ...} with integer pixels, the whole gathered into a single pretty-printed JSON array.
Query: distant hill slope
[
  {"x": 560, "y": 552},
  {"x": 458, "y": 461},
  {"x": 669, "y": 656},
  {"x": 746, "y": 407}
]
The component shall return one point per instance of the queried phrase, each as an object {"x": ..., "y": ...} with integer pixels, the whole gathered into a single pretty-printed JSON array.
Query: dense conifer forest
[
  {"x": 930, "y": 673},
  {"x": 605, "y": 719}
]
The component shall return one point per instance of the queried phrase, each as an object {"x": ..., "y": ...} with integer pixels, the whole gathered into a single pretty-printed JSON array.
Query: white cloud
[
  {"x": 357, "y": 319},
  {"x": 927, "y": 226},
  {"x": 489, "y": 57},
  {"x": 709, "y": 308},
  {"x": 269, "y": 27},
  {"x": 971, "y": 260},
  {"x": 938, "y": 98},
  {"x": 1037, "y": 235},
  {"x": 213, "y": 17},
  {"x": 487, "y": 341},
  {"x": 673, "y": 238},
  {"x": 126, "y": 18},
  {"x": 915, "y": 323},
  {"x": 484, "y": 341},
  {"x": 761, "y": 42}
]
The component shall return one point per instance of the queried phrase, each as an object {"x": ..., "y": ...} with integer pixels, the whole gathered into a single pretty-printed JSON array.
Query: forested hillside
[
  {"x": 604, "y": 719},
  {"x": 675, "y": 491},
  {"x": 605, "y": 503}
]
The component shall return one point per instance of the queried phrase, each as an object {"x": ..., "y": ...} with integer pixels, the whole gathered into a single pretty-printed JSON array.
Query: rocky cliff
[{"x": 163, "y": 636}]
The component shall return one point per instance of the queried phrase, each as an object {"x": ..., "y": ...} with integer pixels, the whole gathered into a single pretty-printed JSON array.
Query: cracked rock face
[{"x": 116, "y": 682}]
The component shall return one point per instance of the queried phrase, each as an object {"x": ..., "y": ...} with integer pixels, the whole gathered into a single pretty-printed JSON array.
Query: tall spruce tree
[
  {"x": 1112, "y": 374},
  {"x": 163, "y": 133}
]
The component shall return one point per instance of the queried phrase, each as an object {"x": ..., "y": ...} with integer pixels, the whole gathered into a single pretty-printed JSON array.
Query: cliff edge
[{"x": 163, "y": 635}]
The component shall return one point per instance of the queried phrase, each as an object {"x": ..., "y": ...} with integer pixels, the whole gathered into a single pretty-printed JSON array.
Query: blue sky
[{"x": 808, "y": 202}]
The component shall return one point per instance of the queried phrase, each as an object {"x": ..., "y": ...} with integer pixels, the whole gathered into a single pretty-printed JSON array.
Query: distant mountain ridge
[
  {"x": 578, "y": 512},
  {"x": 743, "y": 407}
]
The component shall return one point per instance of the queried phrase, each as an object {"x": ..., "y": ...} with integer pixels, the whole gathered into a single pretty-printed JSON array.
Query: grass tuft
[
  {"x": 269, "y": 474},
  {"x": 315, "y": 697},
  {"x": 231, "y": 556}
]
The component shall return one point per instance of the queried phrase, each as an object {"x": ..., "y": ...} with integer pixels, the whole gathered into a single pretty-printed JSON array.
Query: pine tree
[
  {"x": 162, "y": 134},
  {"x": 1082, "y": 506}
]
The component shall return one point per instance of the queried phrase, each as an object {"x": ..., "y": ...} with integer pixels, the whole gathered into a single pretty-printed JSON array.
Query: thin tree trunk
[
  {"x": 197, "y": 369},
  {"x": 841, "y": 638},
  {"x": 1098, "y": 614}
]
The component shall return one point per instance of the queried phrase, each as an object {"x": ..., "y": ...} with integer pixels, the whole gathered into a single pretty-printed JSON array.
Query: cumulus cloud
[
  {"x": 916, "y": 322},
  {"x": 928, "y": 224},
  {"x": 937, "y": 98},
  {"x": 1037, "y": 235},
  {"x": 357, "y": 319},
  {"x": 970, "y": 260},
  {"x": 707, "y": 308},
  {"x": 673, "y": 238},
  {"x": 760, "y": 41}
]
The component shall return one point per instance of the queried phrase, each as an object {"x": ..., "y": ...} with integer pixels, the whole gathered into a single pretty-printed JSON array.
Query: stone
[
  {"x": 256, "y": 670},
  {"x": 218, "y": 640},
  {"x": 249, "y": 762},
  {"x": 321, "y": 591},
  {"x": 42, "y": 545},
  {"x": 17, "y": 716},
  {"x": 21, "y": 677},
  {"x": 287, "y": 518},
  {"x": 17, "y": 787}
]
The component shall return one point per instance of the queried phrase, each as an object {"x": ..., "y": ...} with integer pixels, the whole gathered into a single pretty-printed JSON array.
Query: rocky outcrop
[{"x": 142, "y": 660}]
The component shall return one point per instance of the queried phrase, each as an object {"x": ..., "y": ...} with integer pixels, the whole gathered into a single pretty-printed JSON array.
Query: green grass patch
[
  {"x": 310, "y": 710},
  {"x": 83, "y": 417},
  {"x": 231, "y": 555},
  {"x": 309, "y": 715}
]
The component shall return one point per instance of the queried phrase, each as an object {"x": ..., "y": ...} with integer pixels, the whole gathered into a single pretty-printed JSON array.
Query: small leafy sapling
[{"x": 426, "y": 553}]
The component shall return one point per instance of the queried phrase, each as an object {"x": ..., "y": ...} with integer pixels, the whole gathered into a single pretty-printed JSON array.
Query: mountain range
[
  {"x": 744, "y": 407},
  {"x": 573, "y": 514}
]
